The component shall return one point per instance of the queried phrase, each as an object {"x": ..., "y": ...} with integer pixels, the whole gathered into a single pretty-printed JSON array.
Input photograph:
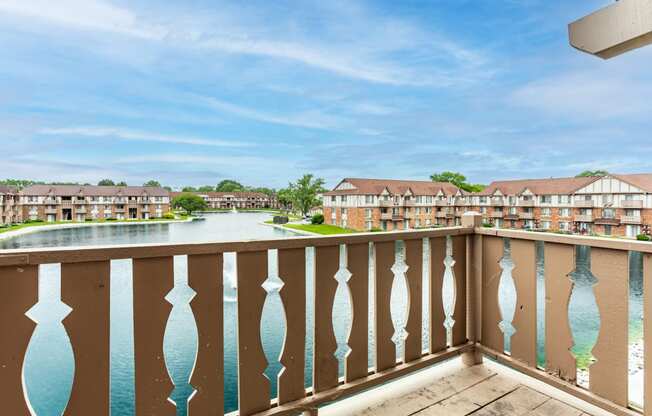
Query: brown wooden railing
[{"x": 85, "y": 287}]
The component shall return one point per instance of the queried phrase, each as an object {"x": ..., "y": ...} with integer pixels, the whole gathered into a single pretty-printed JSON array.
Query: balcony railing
[
  {"x": 631, "y": 219},
  {"x": 526, "y": 215},
  {"x": 583, "y": 218},
  {"x": 526, "y": 202},
  {"x": 386, "y": 216},
  {"x": 441, "y": 203},
  {"x": 409, "y": 202},
  {"x": 477, "y": 271},
  {"x": 581, "y": 203},
  {"x": 440, "y": 214},
  {"x": 386, "y": 203},
  {"x": 497, "y": 202},
  {"x": 497, "y": 214},
  {"x": 635, "y": 204}
]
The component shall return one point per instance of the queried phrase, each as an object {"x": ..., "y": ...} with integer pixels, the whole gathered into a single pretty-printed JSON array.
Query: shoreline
[
  {"x": 292, "y": 230},
  {"x": 50, "y": 227}
]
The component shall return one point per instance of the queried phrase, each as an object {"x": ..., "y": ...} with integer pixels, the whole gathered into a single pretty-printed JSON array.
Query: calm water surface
[{"x": 49, "y": 363}]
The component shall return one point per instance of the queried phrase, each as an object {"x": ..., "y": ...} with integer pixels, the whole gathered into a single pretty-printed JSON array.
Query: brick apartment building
[
  {"x": 9, "y": 205},
  {"x": 615, "y": 205},
  {"x": 78, "y": 203},
  {"x": 238, "y": 200},
  {"x": 365, "y": 204}
]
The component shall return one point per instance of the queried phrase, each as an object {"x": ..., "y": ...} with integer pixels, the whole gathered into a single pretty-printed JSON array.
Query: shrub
[
  {"x": 110, "y": 219},
  {"x": 88, "y": 220},
  {"x": 317, "y": 219},
  {"x": 643, "y": 237},
  {"x": 487, "y": 225},
  {"x": 32, "y": 221},
  {"x": 168, "y": 216},
  {"x": 376, "y": 230}
]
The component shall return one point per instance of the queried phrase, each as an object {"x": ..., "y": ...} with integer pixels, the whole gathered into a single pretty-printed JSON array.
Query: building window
[
  {"x": 545, "y": 225},
  {"x": 429, "y": 199},
  {"x": 369, "y": 225},
  {"x": 343, "y": 199},
  {"x": 633, "y": 212},
  {"x": 417, "y": 223},
  {"x": 564, "y": 212},
  {"x": 333, "y": 198},
  {"x": 608, "y": 213},
  {"x": 483, "y": 199},
  {"x": 607, "y": 230},
  {"x": 564, "y": 226},
  {"x": 564, "y": 199},
  {"x": 546, "y": 199},
  {"x": 483, "y": 210},
  {"x": 368, "y": 213},
  {"x": 546, "y": 212},
  {"x": 369, "y": 199}
]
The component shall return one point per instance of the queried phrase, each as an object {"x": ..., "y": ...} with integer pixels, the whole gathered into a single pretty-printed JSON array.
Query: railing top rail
[
  {"x": 578, "y": 240},
  {"x": 99, "y": 253}
]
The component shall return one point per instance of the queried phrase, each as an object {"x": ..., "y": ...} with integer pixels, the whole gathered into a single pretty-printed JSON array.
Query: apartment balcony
[
  {"x": 497, "y": 215},
  {"x": 81, "y": 210},
  {"x": 492, "y": 388},
  {"x": 398, "y": 217},
  {"x": 120, "y": 210},
  {"x": 461, "y": 202},
  {"x": 583, "y": 218},
  {"x": 511, "y": 217},
  {"x": 526, "y": 203},
  {"x": 631, "y": 219},
  {"x": 634, "y": 204},
  {"x": 607, "y": 221},
  {"x": 583, "y": 204},
  {"x": 50, "y": 210},
  {"x": 386, "y": 203},
  {"x": 441, "y": 214},
  {"x": 50, "y": 201},
  {"x": 409, "y": 203},
  {"x": 79, "y": 201},
  {"x": 441, "y": 203},
  {"x": 409, "y": 215},
  {"x": 386, "y": 216},
  {"x": 497, "y": 202}
]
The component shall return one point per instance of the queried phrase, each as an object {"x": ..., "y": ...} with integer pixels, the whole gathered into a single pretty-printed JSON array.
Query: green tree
[
  {"x": 205, "y": 188},
  {"x": 304, "y": 193},
  {"x": 262, "y": 190},
  {"x": 121, "y": 183},
  {"x": 284, "y": 197},
  {"x": 106, "y": 182},
  {"x": 153, "y": 183},
  {"x": 189, "y": 203},
  {"x": 19, "y": 183},
  {"x": 229, "y": 185},
  {"x": 456, "y": 179},
  {"x": 588, "y": 173},
  {"x": 189, "y": 189}
]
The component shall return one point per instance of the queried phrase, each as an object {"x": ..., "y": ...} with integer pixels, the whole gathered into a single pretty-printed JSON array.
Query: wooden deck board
[{"x": 477, "y": 391}]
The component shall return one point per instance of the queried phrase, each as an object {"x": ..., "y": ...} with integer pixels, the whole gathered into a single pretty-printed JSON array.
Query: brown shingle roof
[
  {"x": 223, "y": 194},
  {"x": 395, "y": 187},
  {"x": 549, "y": 186},
  {"x": 91, "y": 190},
  {"x": 5, "y": 189},
  {"x": 640, "y": 180}
]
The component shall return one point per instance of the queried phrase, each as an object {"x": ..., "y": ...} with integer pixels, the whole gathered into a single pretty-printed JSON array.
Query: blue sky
[{"x": 197, "y": 91}]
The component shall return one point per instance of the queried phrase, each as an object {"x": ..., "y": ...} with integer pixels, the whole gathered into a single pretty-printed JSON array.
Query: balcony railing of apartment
[
  {"x": 398, "y": 217},
  {"x": 409, "y": 202},
  {"x": 497, "y": 202},
  {"x": 631, "y": 219},
  {"x": 386, "y": 203},
  {"x": 440, "y": 214},
  {"x": 497, "y": 214},
  {"x": 79, "y": 201},
  {"x": 441, "y": 203},
  {"x": 610, "y": 220},
  {"x": 385, "y": 215},
  {"x": 461, "y": 202},
  {"x": 526, "y": 202},
  {"x": 636, "y": 204},
  {"x": 581, "y": 203},
  {"x": 50, "y": 210},
  {"x": 477, "y": 270},
  {"x": 511, "y": 216},
  {"x": 51, "y": 201},
  {"x": 583, "y": 218}
]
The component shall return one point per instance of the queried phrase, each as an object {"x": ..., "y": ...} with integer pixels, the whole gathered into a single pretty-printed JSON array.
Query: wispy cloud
[{"x": 133, "y": 135}]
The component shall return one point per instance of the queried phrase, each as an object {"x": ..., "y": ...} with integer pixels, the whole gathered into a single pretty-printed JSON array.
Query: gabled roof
[
  {"x": 550, "y": 186},
  {"x": 394, "y": 186},
  {"x": 640, "y": 180},
  {"x": 92, "y": 190}
]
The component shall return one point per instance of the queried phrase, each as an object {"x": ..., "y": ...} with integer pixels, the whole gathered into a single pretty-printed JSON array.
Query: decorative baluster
[
  {"x": 292, "y": 271},
  {"x": 205, "y": 278},
  {"x": 253, "y": 385},
  {"x": 437, "y": 313},
  {"x": 325, "y": 366},
  {"x": 524, "y": 340},
  {"x": 608, "y": 376},
  {"x": 356, "y": 363},
  {"x": 153, "y": 279},
  {"x": 414, "y": 278},
  {"x": 492, "y": 252},
  {"x": 559, "y": 264},
  {"x": 384, "y": 279},
  {"x": 85, "y": 287},
  {"x": 459, "y": 274},
  {"x": 18, "y": 293},
  {"x": 647, "y": 333}
]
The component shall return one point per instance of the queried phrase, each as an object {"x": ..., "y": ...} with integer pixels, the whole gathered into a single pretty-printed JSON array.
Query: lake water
[{"x": 49, "y": 362}]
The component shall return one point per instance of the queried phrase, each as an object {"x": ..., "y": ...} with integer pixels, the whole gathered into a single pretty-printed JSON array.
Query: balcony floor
[{"x": 455, "y": 390}]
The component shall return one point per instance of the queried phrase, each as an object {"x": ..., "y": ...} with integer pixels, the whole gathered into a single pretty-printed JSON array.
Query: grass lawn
[
  {"x": 40, "y": 224},
  {"x": 324, "y": 229}
]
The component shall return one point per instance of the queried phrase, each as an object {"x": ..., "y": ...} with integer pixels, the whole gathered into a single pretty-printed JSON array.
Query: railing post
[{"x": 473, "y": 286}]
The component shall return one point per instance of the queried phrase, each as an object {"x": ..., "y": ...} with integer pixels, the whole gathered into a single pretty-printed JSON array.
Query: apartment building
[
  {"x": 79, "y": 203},
  {"x": 237, "y": 200},
  {"x": 366, "y": 204},
  {"x": 9, "y": 205},
  {"x": 614, "y": 205}
]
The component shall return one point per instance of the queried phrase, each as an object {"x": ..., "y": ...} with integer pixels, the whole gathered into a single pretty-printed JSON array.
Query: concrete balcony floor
[{"x": 452, "y": 389}]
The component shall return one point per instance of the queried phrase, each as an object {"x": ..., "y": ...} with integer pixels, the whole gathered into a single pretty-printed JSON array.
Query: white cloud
[
  {"x": 124, "y": 134},
  {"x": 366, "y": 53}
]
